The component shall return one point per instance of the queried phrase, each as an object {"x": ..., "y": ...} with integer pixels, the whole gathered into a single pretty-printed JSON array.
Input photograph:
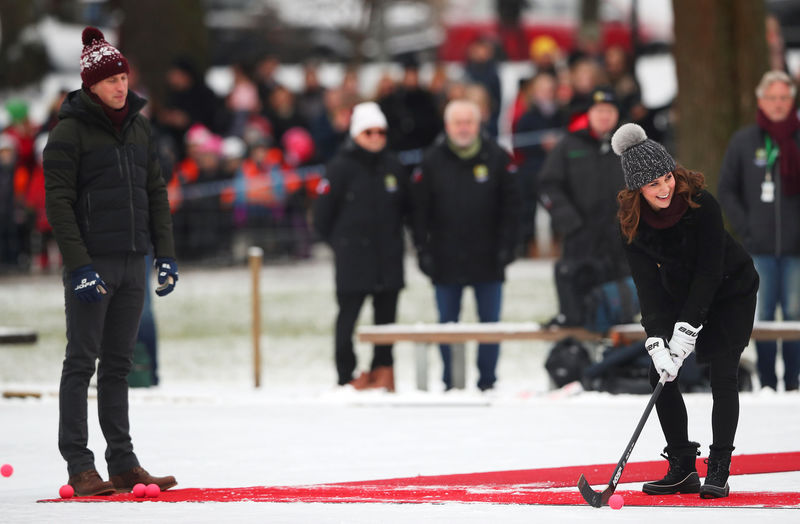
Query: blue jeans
[
  {"x": 780, "y": 286},
  {"x": 488, "y": 296}
]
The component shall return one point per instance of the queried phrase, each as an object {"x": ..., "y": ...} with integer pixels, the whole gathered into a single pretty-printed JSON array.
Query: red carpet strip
[{"x": 533, "y": 486}]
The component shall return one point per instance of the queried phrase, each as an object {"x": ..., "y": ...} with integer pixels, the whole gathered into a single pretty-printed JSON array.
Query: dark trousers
[
  {"x": 384, "y": 309},
  {"x": 724, "y": 377},
  {"x": 488, "y": 298},
  {"x": 148, "y": 335},
  {"x": 103, "y": 331}
]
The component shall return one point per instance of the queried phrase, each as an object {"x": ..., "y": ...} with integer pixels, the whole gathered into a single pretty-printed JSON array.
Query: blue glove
[
  {"x": 87, "y": 284},
  {"x": 167, "y": 269}
]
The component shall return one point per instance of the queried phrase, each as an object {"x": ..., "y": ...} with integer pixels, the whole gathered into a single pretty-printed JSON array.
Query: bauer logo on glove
[{"x": 684, "y": 338}]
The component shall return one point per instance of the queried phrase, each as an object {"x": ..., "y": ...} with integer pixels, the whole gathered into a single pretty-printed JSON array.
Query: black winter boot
[
  {"x": 719, "y": 466},
  {"x": 682, "y": 474}
]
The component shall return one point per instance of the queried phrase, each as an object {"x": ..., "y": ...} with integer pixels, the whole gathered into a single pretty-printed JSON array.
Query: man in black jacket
[
  {"x": 466, "y": 209},
  {"x": 411, "y": 112},
  {"x": 107, "y": 203},
  {"x": 759, "y": 189},
  {"x": 579, "y": 183},
  {"x": 361, "y": 207}
]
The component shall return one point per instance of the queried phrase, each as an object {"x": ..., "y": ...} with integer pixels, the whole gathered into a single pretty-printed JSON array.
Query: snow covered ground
[{"x": 208, "y": 426}]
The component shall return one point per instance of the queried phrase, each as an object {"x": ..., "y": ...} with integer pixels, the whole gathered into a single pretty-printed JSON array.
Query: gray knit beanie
[{"x": 643, "y": 160}]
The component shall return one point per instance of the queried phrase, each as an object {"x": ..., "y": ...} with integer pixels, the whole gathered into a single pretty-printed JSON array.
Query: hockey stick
[{"x": 600, "y": 498}]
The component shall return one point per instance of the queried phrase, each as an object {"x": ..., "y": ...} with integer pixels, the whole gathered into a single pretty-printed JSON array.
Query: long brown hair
[{"x": 687, "y": 185}]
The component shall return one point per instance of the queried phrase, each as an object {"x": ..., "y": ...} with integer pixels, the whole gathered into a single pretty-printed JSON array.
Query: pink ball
[
  {"x": 6, "y": 470},
  {"x": 139, "y": 490},
  {"x": 66, "y": 491},
  {"x": 616, "y": 501},
  {"x": 152, "y": 490}
]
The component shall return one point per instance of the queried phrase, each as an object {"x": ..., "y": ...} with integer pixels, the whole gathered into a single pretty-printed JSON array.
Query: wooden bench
[
  {"x": 457, "y": 334},
  {"x": 762, "y": 330},
  {"x": 11, "y": 335}
]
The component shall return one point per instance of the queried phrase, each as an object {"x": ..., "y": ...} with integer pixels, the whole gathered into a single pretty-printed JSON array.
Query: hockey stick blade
[
  {"x": 600, "y": 498},
  {"x": 594, "y": 498}
]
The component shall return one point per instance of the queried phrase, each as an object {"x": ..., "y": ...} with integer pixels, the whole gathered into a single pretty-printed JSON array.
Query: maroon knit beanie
[{"x": 99, "y": 59}]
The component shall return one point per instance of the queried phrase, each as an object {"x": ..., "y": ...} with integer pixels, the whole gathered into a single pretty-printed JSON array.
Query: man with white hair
[
  {"x": 759, "y": 189},
  {"x": 361, "y": 207},
  {"x": 466, "y": 208}
]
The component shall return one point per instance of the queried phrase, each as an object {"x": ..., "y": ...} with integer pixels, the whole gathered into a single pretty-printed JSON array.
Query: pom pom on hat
[
  {"x": 627, "y": 136},
  {"x": 643, "y": 160},
  {"x": 90, "y": 34},
  {"x": 99, "y": 59}
]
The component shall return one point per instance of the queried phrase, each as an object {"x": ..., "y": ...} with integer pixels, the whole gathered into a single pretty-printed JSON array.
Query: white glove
[
  {"x": 657, "y": 349},
  {"x": 682, "y": 342}
]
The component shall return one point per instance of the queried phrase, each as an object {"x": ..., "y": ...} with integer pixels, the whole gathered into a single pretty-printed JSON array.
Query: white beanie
[{"x": 366, "y": 115}]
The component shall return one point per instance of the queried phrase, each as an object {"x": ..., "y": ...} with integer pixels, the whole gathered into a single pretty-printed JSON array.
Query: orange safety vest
[{"x": 185, "y": 173}]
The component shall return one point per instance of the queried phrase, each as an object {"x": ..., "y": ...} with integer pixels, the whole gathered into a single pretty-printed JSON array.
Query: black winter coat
[
  {"x": 695, "y": 272},
  {"x": 361, "y": 208},
  {"x": 466, "y": 213},
  {"x": 104, "y": 189},
  {"x": 765, "y": 228},
  {"x": 579, "y": 182}
]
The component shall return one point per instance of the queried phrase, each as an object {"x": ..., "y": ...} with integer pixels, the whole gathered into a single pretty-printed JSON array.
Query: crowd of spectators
[{"x": 242, "y": 168}]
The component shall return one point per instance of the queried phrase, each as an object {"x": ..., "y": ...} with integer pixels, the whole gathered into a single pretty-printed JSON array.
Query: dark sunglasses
[{"x": 379, "y": 132}]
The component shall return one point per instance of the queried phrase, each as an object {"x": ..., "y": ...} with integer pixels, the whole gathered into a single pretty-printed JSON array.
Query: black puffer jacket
[
  {"x": 765, "y": 228},
  {"x": 695, "y": 272},
  {"x": 466, "y": 213},
  {"x": 104, "y": 189},
  {"x": 360, "y": 210}
]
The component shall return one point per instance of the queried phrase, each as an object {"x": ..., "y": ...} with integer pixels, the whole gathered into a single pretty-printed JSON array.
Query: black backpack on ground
[{"x": 567, "y": 360}]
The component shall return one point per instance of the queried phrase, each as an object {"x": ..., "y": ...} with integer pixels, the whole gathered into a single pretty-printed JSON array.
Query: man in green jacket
[{"x": 107, "y": 202}]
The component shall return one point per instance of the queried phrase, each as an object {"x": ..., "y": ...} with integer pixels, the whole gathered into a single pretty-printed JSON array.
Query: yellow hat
[{"x": 543, "y": 45}]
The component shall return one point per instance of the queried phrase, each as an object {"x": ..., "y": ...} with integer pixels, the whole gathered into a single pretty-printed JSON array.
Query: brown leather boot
[
  {"x": 89, "y": 484},
  {"x": 124, "y": 482},
  {"x": 361, "y": 382},
  {"x": 382, "y": 377}
]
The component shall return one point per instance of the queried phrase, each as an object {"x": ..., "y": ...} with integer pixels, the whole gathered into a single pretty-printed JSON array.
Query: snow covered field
[{"x": 208, "y": 426}]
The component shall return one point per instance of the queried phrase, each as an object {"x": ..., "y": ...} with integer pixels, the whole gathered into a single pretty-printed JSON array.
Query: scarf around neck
[
  {"x": 465, "y": 153},
  {"x": 667, "y": 217},
  {"x": 116, "y": 116},
  {"x": 783, "y": 133}
]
